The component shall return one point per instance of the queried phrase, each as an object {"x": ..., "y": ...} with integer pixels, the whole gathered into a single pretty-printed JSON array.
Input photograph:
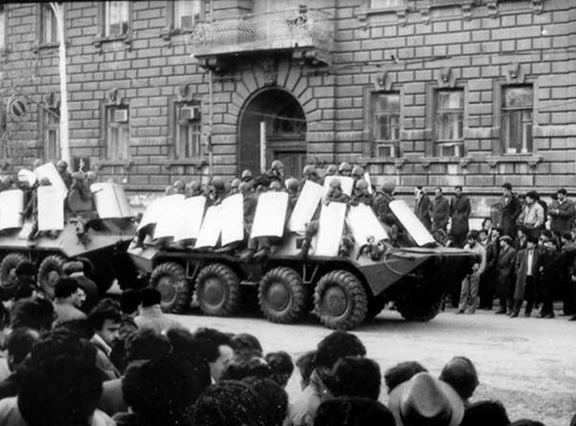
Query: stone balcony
[{"x": 306, "y": 34}]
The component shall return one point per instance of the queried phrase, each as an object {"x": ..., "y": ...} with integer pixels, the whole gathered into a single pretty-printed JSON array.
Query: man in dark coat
[
  {"x": 561, "y": 213},
  {"x": 505, "y": 273},
  {"x": 527, "y": 267},
  {"x": 510, "y": 209},
  {"x": 459, "y": 213},
  {"x": 423, "y": 207},
  {"x": 440, "y": 212},
  {"x": 489, "y": 278},
  {"x": 549, "y": 272}
]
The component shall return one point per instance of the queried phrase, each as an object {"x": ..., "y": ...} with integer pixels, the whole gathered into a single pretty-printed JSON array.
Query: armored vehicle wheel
[
  {"x": 340, "y": 300},
  {"x": 419, "y": 308},
  {"x": 50, "y": 269},
  {"x": 218, "y": 290},
  {"x": 170, "y": 280},
  {"x": 282, "y": 296},
  {"x": 8, "y": 270},
  {"x": 375, "y": 306}
]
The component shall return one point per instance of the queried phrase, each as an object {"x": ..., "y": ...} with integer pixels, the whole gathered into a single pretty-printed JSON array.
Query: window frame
[
  {"x": 175, "y": 151},
  {"x": 42, "y": 8},
  {"x": 4, "y": 12},
  {"x": 372, "y": 145},
  {"x": 106, "y": 153},
  {"x": 504, "y": 143},
  {"x": 46, "y": 126},
  {"x": 171, "y": 28},
  {"x": 102, "y": 38},
  {"x": 435, "y": 145}
]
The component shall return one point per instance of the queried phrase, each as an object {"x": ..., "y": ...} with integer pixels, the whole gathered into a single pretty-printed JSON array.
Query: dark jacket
[
  {"x": 440, "y": 213},
  {"x": 381, "y": 207},
  {"x": 522, "y": 271},
  {"x": 510, "y": 209},
  {"x": 423, "y": 209},
  {"x": 505, "y": 269},
  {"x": 459, "y": 212},
  {"x": 561, "y": 215}
]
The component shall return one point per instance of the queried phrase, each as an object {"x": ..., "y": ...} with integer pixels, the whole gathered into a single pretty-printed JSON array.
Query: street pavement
[{"x": 527, "y": 363}]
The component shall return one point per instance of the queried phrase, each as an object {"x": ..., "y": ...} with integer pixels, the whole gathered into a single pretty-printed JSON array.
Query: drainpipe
[{"x": 211, "y": 107}]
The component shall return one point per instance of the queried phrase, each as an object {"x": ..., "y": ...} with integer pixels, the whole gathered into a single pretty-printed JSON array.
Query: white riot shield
[
  {"x": 151, "y": 213},
  {"x": 211, "y": 228},
  {"x": 166, "y": 226},
  {"x": 110, "y": 200},
  {"x": 50, "y": 208},
  {"x": 189, "y": 218},
  {"x": 232, "y": 219},
  {"x": 11, "y": 207},
  {"x": 306, "y": 205},
  {"x": 330, "y": 229},
  {"x": 364, "y": 224},
  {"x": 49, "y": 171},
  {"x": 410, "y": 221},
  {"x": 367, "y": 179},
  {"x": 346, "y": 182},
  {"x": 270, "y": 215}
]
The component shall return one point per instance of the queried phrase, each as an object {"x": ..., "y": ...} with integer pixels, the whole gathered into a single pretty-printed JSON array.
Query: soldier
[
  {"x": 193, "y": 189},
  {"x": 335, "y": 193},
  {"x": 381, "y": 204},
  {"x": 79, "y": 198},
  {"x": 246, "y": 176},
  {"x": 345, "y": 169},
  {"x": 235, "y": 186},
  {"x": 293, "y": 188},
  {"x": 276, "y": 172},
  {"x": 216, "y": 191},
  {"x": 361, "y": 194},
  {"x": 179, "y": 186},
  {"x": 331, "y": 170},
  {"x": 62, "y": 167},
  {"x": 309, "y": 173},
  {"x": 357, "y": 173}
]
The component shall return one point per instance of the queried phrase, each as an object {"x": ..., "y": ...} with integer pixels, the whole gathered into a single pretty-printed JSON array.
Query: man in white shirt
[{"x": 469, "y": 299}]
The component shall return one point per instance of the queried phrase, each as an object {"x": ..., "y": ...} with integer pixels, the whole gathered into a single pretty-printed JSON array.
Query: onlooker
[
  {"x": 489, "y": 279},
  {"x": 505, "y": 269},
  {"x": 281, "y": 365},
  {"x": 440, "y": 212},
  {"x": 105, "y": 320},
  {"x": 423, "y": 207},
  {"x": 18, "y": 347},
  {"x": 274, "y": 398},
  {"x": 151, "y": 315},
  {"x": 305, "y": 364},
  {"x": 459, "y": 213},
  {"x": 482, "y": 413},
  {"x": 402, "y": 372},
  {"x": 75, "y": 270},
  {"x": 353, "y": 411},
  {"x": 549, "y": 273},
  {"x": 245, "y": 342},
  {"x": 245, "y": 365},
  {"x": 68, "y": 297},
  {"x": 527, "y": 267},
  {"x": 561, "y": 213},
  {"x": 510, "y": 208},
  {"x": 130, "y": 301},
  {"x": 357, "y": 377},
  {"x": 215, "y": 349},
  {"x": 34, "y": 313},
  {"x": 532, "y": 217},
  {"x": 469, "y": 300},
  {"x": 461, "y": 374}
]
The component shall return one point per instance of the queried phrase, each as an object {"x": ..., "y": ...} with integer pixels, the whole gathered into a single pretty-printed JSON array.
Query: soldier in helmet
[
  {"x": 357, "y": 173},
  {"x": 335, "y": 193},
  {"x": 381, "y": 204},
  {"x": 79, "y": 198},
  {"x": 235, "y": 186},
  {"x": 361, "y": 195},
  {"x": 344, "y": 169},
  {"x": 62, "y": 167},
  {"x": 309, "y": 173},
  {"x": 276, "y": 172},
  {"x": 246, "y": 176},
  {"x": 331, "y": 170},
  {"x": 193, "y": 189},
  {"x": 179, "y": 186},
  {"x": 293, "y": 188},
  {"x": 216, "y": 191}
]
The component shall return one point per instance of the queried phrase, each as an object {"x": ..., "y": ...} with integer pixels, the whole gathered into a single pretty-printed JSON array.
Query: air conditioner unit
[
  {"x": 450, "y": 150},
  {"x": 121, "y": 115},
  {"x": 190, "y": 113}
]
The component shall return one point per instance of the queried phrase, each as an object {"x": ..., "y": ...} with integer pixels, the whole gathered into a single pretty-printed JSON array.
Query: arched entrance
[{"x": 276, "y": 114}]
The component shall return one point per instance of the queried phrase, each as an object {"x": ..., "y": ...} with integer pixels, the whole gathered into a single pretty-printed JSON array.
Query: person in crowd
[
  {"x": 505, "y": 269},
  {"x": 75, "y": 270},
  {"x": 381, "y": 204},
  {"x": 510, "y": 209},
  {"x": 440, "y": 212},
  {"x": 487, "y": 226},
  {"x": 345, "y": 169},
  {"x": 561, "y": 213},
  {"x": 150, "y": 314},
  {"x": 353, "y": 411},
  {"x": 18, "y": 346},
  {"x": 79, "y": 199},
  {"x": 401, "y": 372},
  {"x": 246, "y": 176},
  {"x": 309, "y": 173},
  {"x": 461, "y": 374},
  {"x": 548, "y": 273},
  {"x": 331, "y": 170},
  {"x": 361, "y": 194},
  {"x": 423, "y": 207},
  {"x": 274, "y": 399},
  {"x": 130, "y": 301},
  {"x": 68, "y": 298},
  {"x": 215, "y": 350},
  {"x": 62, "y": 168},
  {"x": 60, "y": 385},
  {"x": 281, "y": 365},
  {"x": 469, "y": 300},
  {"x": 527, "y": 268},
  {"x": 276, "y": 172},
  {"x": 305, "y": 364},
  {"x": 521, "y": 239},
  {"x": 186, "y": 348},
  {"x": 333, "y": 347},
  {"x": 459, "y": 213},
  {"x": 357, "y": 173},
  {"x": 425, "y": 400},
  {"x": 335, "y": 193},
  {"x": 105, "y": 320},
  {"x": 489, "y": 278},
  {"x": 35, "y": 313},
  {"x": 354, "y": 376},
  {"x": 487, "y": 412},
  {"x": 246, "y": 343},
  {"x": 246, "y": 364},
  {"x": 532, "y": 217}
]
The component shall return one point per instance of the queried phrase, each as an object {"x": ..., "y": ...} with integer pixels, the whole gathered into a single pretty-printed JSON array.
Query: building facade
[{"x": 422, "y": 92}]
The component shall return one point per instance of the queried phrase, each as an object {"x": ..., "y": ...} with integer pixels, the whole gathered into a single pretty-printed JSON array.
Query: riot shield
[
  {"x": 411, "y": 223},
  {"x": 11, "y": 207},
  {"x": 346, "y": 182},
  {"x": 232, "y": 219},
  {"x": 50, "y": 172},
  {"x": 364, "y": 224},
  {"x": 211, "y": 228},
  {"x": 166, "y": 226},
  {"x": 189, "y": 218},
  {"x": 330, "y": 229},
  {"x": 270, "y": 215},
  {"x": 110, "y": 200},
  {"x": 306, "y": 206},
  {"x": 50, "y": 208}
]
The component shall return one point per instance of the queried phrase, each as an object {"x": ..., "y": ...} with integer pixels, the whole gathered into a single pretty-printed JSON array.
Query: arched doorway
[{"x": 276, "y": 114}]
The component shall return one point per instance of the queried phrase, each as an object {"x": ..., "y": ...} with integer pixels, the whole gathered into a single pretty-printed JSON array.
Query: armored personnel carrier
[
  {"x": 99, "y": 238},
  {"x": 194, "y": 249}
]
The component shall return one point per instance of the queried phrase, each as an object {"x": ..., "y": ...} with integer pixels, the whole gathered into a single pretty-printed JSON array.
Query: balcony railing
[{"x": 292, "y": 29}]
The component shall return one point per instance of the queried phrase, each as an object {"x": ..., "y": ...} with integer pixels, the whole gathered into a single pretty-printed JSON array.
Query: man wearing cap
[
  {"x": 459, "y": 213},
  {"x": 510, "y": 208},
  {"x": 532, "y": 217},
  {"x": 561, "y": 213},
  {"x": 469, "y": 300},
  {"x": 505, "y": 274}
]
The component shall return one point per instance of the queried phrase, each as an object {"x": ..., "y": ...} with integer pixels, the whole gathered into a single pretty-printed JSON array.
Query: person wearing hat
[
  {"x": 357, "y": 173},
  {"x": 381, "y": 206},
  {"x": 62, "y": 167},
  {"x": 469, "y": 299},
  {"x": 505, "y": 275},
  {"x": 510, "y": 209},
  {"x": 361, "y": 195},
  {"x": 527, "y": 270},
  {"x": 331, "y": 170},
  {"x": 459, "y": 213},
  {"x": 425, "y": 400},
  {"x": 561, "y": 213},
  {"x": 532, "y": 217},
  {"x": 344, "y": 169},
  {"x": 335, "y": 193},
  {"x": 310, "y": 173}
]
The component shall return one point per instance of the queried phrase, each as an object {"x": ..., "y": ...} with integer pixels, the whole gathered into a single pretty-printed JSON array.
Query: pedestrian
[
  {"x": 561, "y": 213},
  {"x": 75, "y": 270},
  {"x": 469, "y": 299},
  {"x": 440, "y": 212},
  {"x": 150, "y": 313},
  {"x": 423, "y": 207},
  {"x": 548, "y": 273},
  {"x": 459, "y": 213},
  {"x": 510, "y": 209},
  {"x": 527, "y": 266},
  {"x": 68, "y": 298},
  {"x": 489, "y": 277},
  {"x": 532, "y": 217},
  {"x": 505, "y": 273}
]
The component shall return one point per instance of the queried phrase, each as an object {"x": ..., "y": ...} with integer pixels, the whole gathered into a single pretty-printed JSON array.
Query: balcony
[{"x": 306, "y": 33}]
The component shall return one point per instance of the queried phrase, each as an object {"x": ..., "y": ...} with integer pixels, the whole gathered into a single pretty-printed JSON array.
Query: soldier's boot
[{"x": 305, "y": 248}]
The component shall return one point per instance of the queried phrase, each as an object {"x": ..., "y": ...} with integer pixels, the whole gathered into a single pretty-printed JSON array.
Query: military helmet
[
  {"x": 293, "y": 184},
  {"x": 218, "y": 184},
  {"x": 357, "y": 171},
  {"x": 362, "y": 184},
  {"x": 277, "y": 165},
  {"x": 335, "y": 183},
  {"x": 331, "y": 170},
  {"x": 309, "y": 170},
  {"x": 235, "y": 183},
  {"x": 246, "y": 175},
  {"x": 344, "y": 167}
]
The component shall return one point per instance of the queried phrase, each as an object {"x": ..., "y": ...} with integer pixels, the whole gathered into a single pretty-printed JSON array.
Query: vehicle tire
[
  {"x": 170, "y": 280},
  {"x": 340, "y": 300},
  {"x": 419, "y": 307},
  {"x": 218, "y": 290},
  {"x": 282, "y": 296},
  {"x": 375, "y": 306},
  {"x": 7, "y": 271},
  {"x": 46, "y": 277}
]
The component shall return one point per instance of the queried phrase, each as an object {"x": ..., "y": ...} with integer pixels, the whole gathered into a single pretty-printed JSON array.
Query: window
[
  {"x": 517, "y": 106},
  {"x": 449, "y": 115},
  {"x": 48, "y": 25},
  {"x": 51, "y": 134},
  {"x": 186, "y": 14},
  {"x": 116, "y": 18},
  {"x": 188, "y": 135},
  {"x": 386, "y": 122},
  {"x": 117, "y": 132},
  {"x": 384, "y": 4},
  {"x": 2, "y": 27}
]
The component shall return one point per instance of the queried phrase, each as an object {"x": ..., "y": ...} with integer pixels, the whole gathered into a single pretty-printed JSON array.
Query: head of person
[
  {"x": 245, "y": 365},
  {"x": 344, "y": 169},
  {"x": 353, "y": 376},
  {"x": 458, "y": 190},
  {"x": 217, "y": 187},
  {"x": 401, "y": 373},
  {"x": 62, "y": 166},
  {"x": 274, "y": 399},
  {"x": 147, "y": 344},
  {"x": 179, "y": 186},
  {"x": 130, "y": 300},
  {"x": 531, "y": 242},
  {"x": 309, "y": 173},
  {"x": 293, "y": 185},
  {"x": 68, "y": 291},
  {"x": 77, "y": 328},
  {"x": 495, "y": 234},
  {"x": 150, "y": 297},
  {"x": 161, "y": 391},
  {"x": 26, "y": 269},
  {"x": 281, "y": 365},
  {"x": 357, "y": 173},
  {"x": 461, "y": 374},
  {"x": 482, "y": 236},
  {"x": 487, "y": 223},
  {"x": 105, "y": 319},
  {"x": 488, "y": 412},
  {"x": 305, "y": 364},
  {"x": 561, "y": 194},
  {"x": 275, "y": 186},
  {"x": 426, "y": 400},
  {"x": 193, "y": 188},
  {"x": 246, "y": 343},
  {"x": 507, "y": 189},
  {"x": 362, "y": 187},
  {"x": 353, "y": 411},
  {"x": 35, "y": 313},
  {"x": 438, "y": 191},
  {"x": 335, "y": 188},
  {"x": 505, "y": 241},
  {"x": 73, "y": 267},
  {"x": 235, "y": 186},
  {"x": 531, "y": 197},
  {"x": 19, "y": 344},
  {"x": 277, "y": 168},
  {"x": 215, "y": 348},
  {"x": 335, "y": 346},
  {"x": 418, "y": 190},
  {"x": 331, "y": 170},
  {"x": 388, "y": 188},
  {"x": 246, "y": 176},
  {"x": 60, "y": 382},
  {"x": 473, "y": 237}
]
